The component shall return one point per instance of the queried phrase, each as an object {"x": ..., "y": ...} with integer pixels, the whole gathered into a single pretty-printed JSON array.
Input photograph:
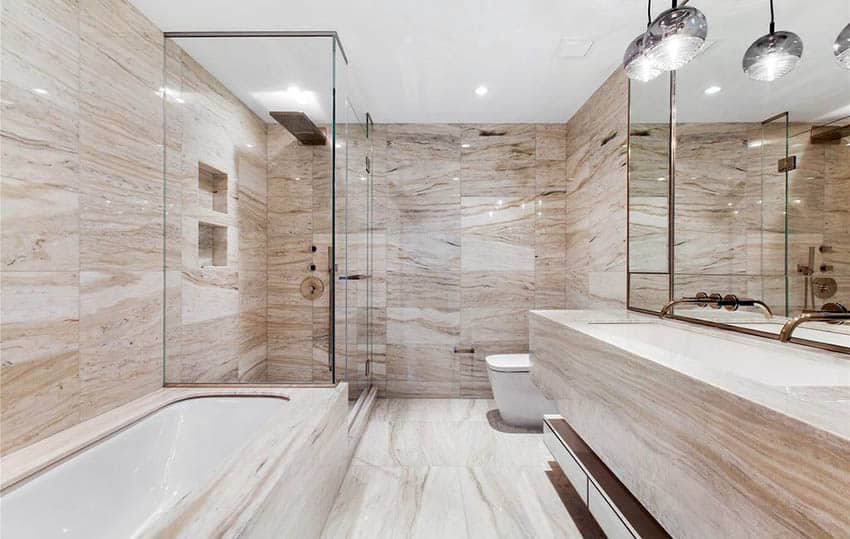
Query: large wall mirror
[
  {"x": 761, "y": 174},
  {"x": 649, "y": 189}
]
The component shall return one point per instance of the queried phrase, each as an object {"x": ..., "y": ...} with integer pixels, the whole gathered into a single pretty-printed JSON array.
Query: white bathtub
[
  {"x": 184, "y": 463},
  {"x": 118, "y": 487}
]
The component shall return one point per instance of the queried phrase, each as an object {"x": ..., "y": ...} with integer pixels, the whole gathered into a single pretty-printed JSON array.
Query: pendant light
[
  {"x": 676, "y": 36},
  {"x": 773, "y": 55},
  {"x": 841, "y": 48},
  {"x": 635, "y": 62}
]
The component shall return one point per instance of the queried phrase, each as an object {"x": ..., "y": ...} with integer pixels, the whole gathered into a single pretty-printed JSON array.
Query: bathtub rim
[{"x": 26, "y": 463}]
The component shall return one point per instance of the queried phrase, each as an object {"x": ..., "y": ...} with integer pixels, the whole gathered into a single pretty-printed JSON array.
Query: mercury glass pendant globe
[
  {"x": 773, "y": 56},
  {"x": 635, "y": 62},
  {"x": 841, "y": 48},
  {"x": 675, "y": 37}
]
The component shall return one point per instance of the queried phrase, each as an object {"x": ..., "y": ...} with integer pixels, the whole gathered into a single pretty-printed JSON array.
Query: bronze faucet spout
[
  {"x": 824, "y": 316},
  {"x": 702, "y": 299}
]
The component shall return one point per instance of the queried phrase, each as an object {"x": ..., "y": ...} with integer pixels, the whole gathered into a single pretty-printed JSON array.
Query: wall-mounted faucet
[
  {"x": 730, "y": 302},
  {"x": 833, "y": 313}
]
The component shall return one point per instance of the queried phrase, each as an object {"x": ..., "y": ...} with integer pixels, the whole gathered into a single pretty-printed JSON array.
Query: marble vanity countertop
[
  {"x": 36, "y": 457},
  {"x": 812, "y": 386}
]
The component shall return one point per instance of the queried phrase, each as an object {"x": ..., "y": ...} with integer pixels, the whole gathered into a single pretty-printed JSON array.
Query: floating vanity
[{"x": 716, "y": 434}]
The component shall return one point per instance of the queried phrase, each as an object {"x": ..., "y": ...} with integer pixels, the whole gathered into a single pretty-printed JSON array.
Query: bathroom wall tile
[
  {"x": 252, "y": 216},
  {"x": 550, "y": 231},
  {"x": 123, "y": 34},
  {"x": 596, "y": 197},
  {"x": 40, "y": 225},
  {"x": 421, "y": 362},
  {"x": 418, "y": 389},
  {"x": 491, "y": 192},
  {"x": 495, "y": 306},
  {"x": 120, "y": 338},
  {"x": 173, "y": 352},
  {"x": 496, "y": 234},
  {"x": 252, "y": 326},
  {"x": 550, "y": 142},
  {"x": 498, "y": 160},
  {"x": 39, "y": 138},
  {"x": 422, "y": 325},
  {"x": 121, "y": 187},
  {"x": 423, "y": 177},
  {"x": 423, "y": 270},
  {"x": 210, "y": 351},
  {"x": 40, "y": 369}
]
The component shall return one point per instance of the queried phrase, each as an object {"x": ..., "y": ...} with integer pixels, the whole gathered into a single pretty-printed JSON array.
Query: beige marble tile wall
[
  {"x": 299, "y": 217},
  {"x": 474, "y": 239},
  {"x": 217, "y": 227},
  {"x": 81, "y": 213},
  {"x": 648, "y": 191},
  {"x": 596, "y": 156}
]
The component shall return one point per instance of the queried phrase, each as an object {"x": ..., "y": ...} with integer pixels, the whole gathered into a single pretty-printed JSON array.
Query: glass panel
[
  {"x": 249, "y": 209},
  {"x": 357, "y": 275},
  {"x": 649, "y": 177}
]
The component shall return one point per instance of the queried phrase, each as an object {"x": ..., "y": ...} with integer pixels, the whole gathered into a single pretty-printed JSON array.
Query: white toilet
[{"x": 520, "y": 403}]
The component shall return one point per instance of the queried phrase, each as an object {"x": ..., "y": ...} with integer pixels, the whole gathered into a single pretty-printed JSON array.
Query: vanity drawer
[
  {"x": 567, "y": 462},
  {"x": 616, "y": 510},
  {"x": 606, "y": 516}
]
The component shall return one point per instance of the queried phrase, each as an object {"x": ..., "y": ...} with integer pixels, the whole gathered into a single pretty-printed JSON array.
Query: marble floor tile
[{"x": 437, "y": 468}]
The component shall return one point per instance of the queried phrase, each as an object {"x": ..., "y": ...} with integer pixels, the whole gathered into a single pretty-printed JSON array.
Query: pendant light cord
[
  {"x": 772, "y": 25},
  {"x": 648, "y": 13}
]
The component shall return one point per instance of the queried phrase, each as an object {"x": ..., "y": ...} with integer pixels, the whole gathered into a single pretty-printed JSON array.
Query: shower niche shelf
[
  {"x": 212, "y": 244},
  {"x": 212, "y": 188}
]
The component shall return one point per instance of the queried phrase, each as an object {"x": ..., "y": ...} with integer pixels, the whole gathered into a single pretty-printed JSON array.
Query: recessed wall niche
[
  {"x": 212, "y": 244},
  {"x": 212, "y": 188}
]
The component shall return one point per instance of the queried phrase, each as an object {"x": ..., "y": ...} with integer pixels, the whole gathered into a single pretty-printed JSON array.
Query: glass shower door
[{"x": 354, "y": 281}]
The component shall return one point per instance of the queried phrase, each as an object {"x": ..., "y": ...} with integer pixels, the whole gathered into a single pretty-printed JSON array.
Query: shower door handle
[
  {"x": 354, "y": 277},
  {"x": 331, "y": 309}
]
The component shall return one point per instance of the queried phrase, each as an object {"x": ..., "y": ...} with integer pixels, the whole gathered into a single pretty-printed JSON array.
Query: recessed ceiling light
[
  {"x": 481, "y": 90},
  {"x": 40, "y": 91},
  {"x": 464, "y": 145},
  {"x": 456, "y": 178},
  {"x": 660, "y": 179},
  {"x": 711, "y": 90},
  {"x": 249, "y": 145}
]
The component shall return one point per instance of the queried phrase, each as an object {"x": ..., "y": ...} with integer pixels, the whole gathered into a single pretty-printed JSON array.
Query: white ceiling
[{"x": 421, "y": 61}]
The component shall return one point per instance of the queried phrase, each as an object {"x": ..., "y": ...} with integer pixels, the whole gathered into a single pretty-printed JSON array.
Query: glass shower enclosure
[{"x": 267, "y": 184}]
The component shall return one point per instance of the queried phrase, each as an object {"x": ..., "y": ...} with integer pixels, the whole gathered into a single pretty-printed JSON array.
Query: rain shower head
[{"x": 301, "y": 127}]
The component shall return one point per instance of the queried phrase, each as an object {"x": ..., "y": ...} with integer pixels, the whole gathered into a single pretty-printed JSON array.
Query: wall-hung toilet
[{"x": 520, "y": 403}]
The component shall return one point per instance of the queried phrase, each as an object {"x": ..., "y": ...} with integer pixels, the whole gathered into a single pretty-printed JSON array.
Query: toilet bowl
[{"x": 520, "y": 403}]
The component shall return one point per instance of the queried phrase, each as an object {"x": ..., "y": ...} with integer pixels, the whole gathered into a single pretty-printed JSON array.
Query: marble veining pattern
[
  {"x": 446, "y": 472},
  {"x": 81, "y": 213},
  {"x": 475, "y": 238},
  {"x": 596, "y": 139}
]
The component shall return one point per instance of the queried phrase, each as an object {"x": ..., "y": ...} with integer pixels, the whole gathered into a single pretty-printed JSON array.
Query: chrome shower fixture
[{"x": 773, "y": 55}]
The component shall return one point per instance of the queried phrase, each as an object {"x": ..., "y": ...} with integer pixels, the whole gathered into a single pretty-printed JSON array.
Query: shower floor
[{"x": 448, "y": 468}]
